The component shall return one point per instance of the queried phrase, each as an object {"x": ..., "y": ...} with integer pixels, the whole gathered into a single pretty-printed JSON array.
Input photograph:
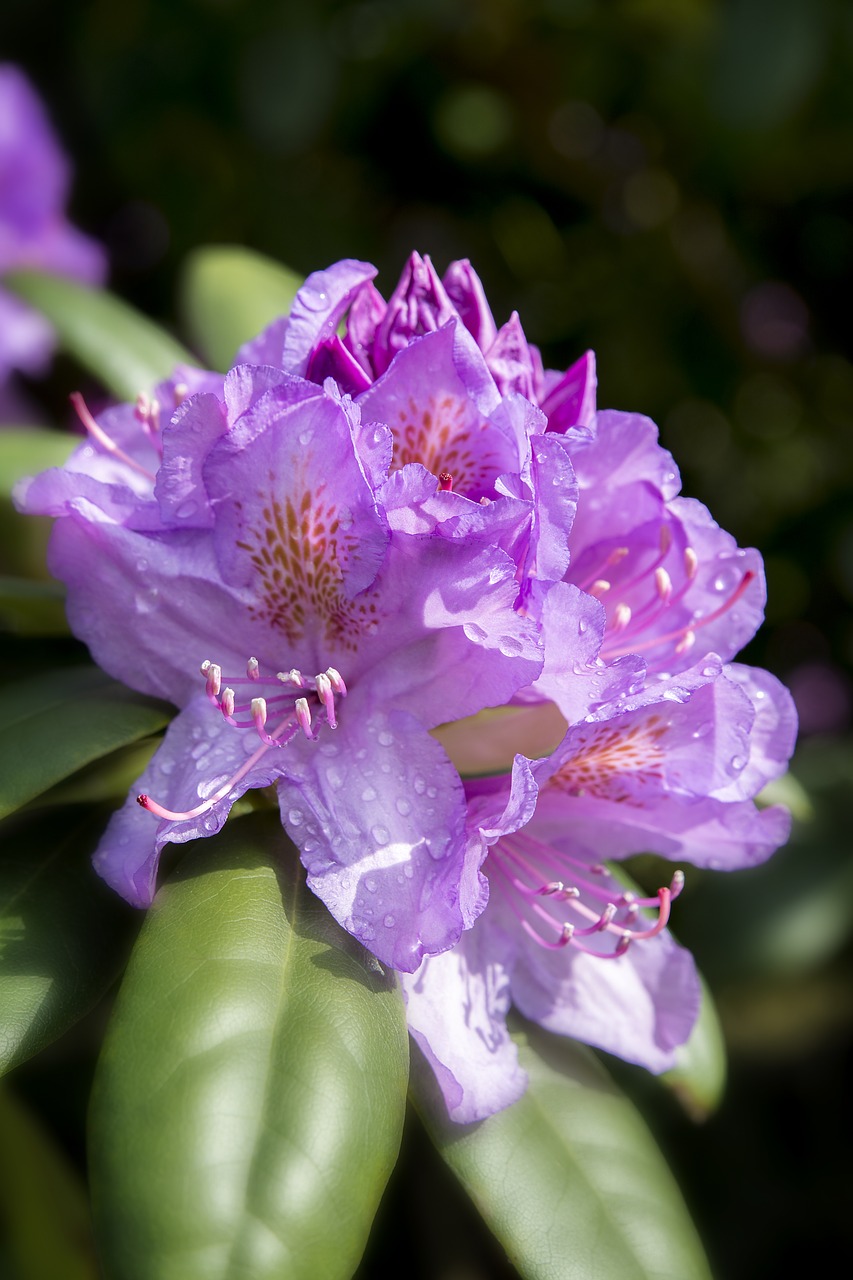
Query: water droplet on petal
[
  {"x": 403, "y": 806},
  {"x": 369, "y": 793},
  {"x": 294, "y": 817},
  {"x": 370, "y": 885},
  {"x": 386, "y": 739},
  {"x": 380, "y": 834},
  {"x": 389, "y": 922}
]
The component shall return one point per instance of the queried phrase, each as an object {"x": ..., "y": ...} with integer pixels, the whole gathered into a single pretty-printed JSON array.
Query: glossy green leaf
[
  {"x": 569, "y": 1179},
  {"x": 248, "y": 1104},
  {"x": 120, "y": 346},
  {"x": 698, "y": 1078},
  {"x": 229, "y": 294},
  {"x": 54, "y": 724},
  {"x": 44, "y": 1215},
  {"x": 62, "y": 931}
]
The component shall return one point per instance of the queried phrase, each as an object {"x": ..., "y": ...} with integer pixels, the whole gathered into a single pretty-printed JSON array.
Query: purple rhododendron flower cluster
[
  {"x": 34, "y": 232},
  {"x": 465, "y": 624}
]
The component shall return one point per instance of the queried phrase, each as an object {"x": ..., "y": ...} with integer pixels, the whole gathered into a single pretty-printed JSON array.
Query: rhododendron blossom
[
  {"x": 389, "y": 551},
  {"x": 242, "y": 557}
]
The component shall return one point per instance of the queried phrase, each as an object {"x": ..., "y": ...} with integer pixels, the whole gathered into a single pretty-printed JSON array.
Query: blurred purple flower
[{"x": 34, "y": 232}]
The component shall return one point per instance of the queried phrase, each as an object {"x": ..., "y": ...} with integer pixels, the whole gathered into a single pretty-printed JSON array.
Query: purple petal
[
  {"x": 317, "y": 308},
  {"x": 198, "y": 754},
  {"x": 436, "y": 419},
  {"x": 378, "y": 813},
  {"x": 466, "y": 293},
  {"x": 570, "y": 400},
  {"x": 456, "y": 1006},
  {"x": 774, "y": 732},
  {"x": 640, "y": 1006}
]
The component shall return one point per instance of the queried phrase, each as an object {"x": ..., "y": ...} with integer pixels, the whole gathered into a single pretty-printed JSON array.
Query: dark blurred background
[{"x": 669, "y": 182}]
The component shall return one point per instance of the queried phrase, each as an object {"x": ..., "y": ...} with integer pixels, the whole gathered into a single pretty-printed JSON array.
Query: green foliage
[
  {"x": 121, "y": 347},
  {"x": 36, "y": 748},
  {"x": 44, "y": 1211},
  {"x": 229, "y": 295},
  {"x": 249, "y": 1100},
  {"x": 569, "y": 1178},
  {"x": 63, "y": 934}
]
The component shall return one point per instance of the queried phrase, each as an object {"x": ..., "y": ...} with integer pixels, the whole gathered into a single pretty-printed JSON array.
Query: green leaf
[
  {"x": 569, "y": 1178},
  {"x": 42, "y": 1202},
  {"x": 229, "y": 294},
  {"x": 32, "y": 608},
  {"x": 698, "y": 1078},
  {"x": 25, "y": 451},
  {"x": 121, "y": 347},
  {"x": 249, "y": 1101},
  {"x": 54, "y": 724},
  {"x": 62, "y": 931}
]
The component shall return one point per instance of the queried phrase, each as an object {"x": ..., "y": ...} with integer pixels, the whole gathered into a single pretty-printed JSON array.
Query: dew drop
[
  {"x": 369, "y": 793},
  {"x": 166, "y": 766},
  {"x": 370, "y": 885},
  {"x": 432, "y": 792},
  {"x": 294, "y": 817},
  {"x": 403, "y": 806},
  {"x": 418, "y": 784},
  {"x": 511, "y": 646},
  {"x": 737, "y": 764},
  {"x": 380, "y": 834},
  {"x": 475, "y": 633},
  {"x": 186, "y": 509},
  {"x": 389, "y": 922},
  {"x": 386, "y": 739}
]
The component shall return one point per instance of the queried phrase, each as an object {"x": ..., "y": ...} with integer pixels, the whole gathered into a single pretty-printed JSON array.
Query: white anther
[
  {"x": 226, "y": 702},
  {"x": 252, "y": 670},
  {"x": 303, "y": 716},
  {"x": 663, "y": 582},
  {"x": 325, "y": 693},
  {"x": 214, "y": 678},
  {"x": 677, "y": 883},
  {"x": 686, "y": 642},
  {"x": 293, "y": 677},
  {"x": 180, "y": 393},
  {"x": 337, "y": 681},
  {"x": 259, "y": 712},
  {"x": 599, "y": 588},
  {"x": 621, "y": 616},
  {"x": 691, "y": 562}
]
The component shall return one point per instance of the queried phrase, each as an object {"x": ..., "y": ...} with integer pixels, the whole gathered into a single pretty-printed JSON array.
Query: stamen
[
  {"x": 663, "y": 584},
  {"x": 514, "y": 872},
  {"x": 599, "y": 588},
  {"x": 214, "y": 678},
  {"x": 293, "y": 677},
  {"x": 621, "y": 617},
  {"x": 253, "y": 669},
  {"x": 226, "y": 702},
  {"x": 691, "y": 562},
  {"x": 106, "y": 442},
  {"x": 680, "y": 632},
  {"x": 303, "y": 716}
]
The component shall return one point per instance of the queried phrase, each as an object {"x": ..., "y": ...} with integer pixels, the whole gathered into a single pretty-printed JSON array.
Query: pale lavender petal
[
  {"x": 26, "y": 339},
  {"x": 378, "y": 813},
  {"x": 456, "y": 1007},
  {"x": 640, "y": 1006},
  {"x": 195, "y": 759},
  {"x": 510, "y": 361},
  {"x": 774, "y": 732},
  {"x": 314, "y": 315}
]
